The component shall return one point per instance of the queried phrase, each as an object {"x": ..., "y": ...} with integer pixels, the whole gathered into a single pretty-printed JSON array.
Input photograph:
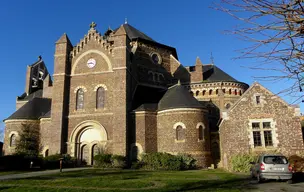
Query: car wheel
[{"x": 252, "y": 175}]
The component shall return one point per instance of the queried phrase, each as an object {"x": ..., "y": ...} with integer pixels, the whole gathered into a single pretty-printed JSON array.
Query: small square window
[
  {"x": 258, "y": 100},
  {"x": 266, "y": 125},
  {"x": 255, "y": 125}
]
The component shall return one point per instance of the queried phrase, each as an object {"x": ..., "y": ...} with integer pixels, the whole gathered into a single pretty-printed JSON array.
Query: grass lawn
[{"x": 130, "y": 180}]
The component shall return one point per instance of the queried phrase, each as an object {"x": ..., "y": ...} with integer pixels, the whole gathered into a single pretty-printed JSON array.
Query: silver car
[{"x": 271, "y": 167}]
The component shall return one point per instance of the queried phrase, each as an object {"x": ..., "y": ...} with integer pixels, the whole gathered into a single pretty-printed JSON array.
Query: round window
[{"x": 156, "y": 58}]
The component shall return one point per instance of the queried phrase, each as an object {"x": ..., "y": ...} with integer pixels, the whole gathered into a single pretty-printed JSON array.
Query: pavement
[{"x": 40, "y": 173}]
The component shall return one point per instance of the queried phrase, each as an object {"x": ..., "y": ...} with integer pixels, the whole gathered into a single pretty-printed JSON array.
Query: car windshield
[{"x": 275, "y": 160}]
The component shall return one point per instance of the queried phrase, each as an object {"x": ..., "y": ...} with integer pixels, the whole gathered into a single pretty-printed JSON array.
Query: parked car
[{"x": 271, "y": 167}]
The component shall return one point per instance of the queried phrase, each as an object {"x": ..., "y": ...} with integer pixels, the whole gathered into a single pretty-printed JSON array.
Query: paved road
[
  {"x": 274, "y": 186},
  {"x": 39, "y": 173}
]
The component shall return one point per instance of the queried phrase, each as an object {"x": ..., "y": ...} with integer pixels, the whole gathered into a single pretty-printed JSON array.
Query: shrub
[
  {"x": 241, "y": 162},
  {"x": 103, "y": 160},
  {"x": 53, "y": 161},
  {"x": 18, "y": 162},
  {"x": 166, "y": 161},
  {"x": 118, "y": 161},
  {"x": 109, "y": 161},
  {"x": 188, "y": 161},
  {"x": 297, "y": 163}
]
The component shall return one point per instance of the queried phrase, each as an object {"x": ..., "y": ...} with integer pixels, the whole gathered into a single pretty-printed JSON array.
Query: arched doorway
[
  {"x": 95, "y": 151},
  {"x": 85, "y": 153},
  {"x": 86, "y": 140}
]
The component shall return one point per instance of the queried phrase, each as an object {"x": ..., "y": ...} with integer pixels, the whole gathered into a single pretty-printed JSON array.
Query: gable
[{"x": 268, "y": 106}]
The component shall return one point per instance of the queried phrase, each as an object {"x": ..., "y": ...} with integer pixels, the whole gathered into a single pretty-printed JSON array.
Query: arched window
[
  {"x": 229, "y": 91},
  {"x": 200, "y": 133},
  {"x": 180, "y": 135},
  {"x": 100, "y": 98},
  {"x": 224, "y": 90},
  {"x": 191, "y": 93},
  {"x": 46, "y": 153},
  {"x": 13, "y": 140},
  {"x": 235, "y": 92},
  {"x": 204, "y": 92},
  {"x": 216, "y": 92},
  {"x": 240, "y": 93},
  {"x": 210, "y": 92},
  {"x": 197, "y": 93},
  {"x": 79, "y": 99}
]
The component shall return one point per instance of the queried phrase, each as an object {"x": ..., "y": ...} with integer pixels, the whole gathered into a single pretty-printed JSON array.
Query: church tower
[{"x": 60, "y": 94}]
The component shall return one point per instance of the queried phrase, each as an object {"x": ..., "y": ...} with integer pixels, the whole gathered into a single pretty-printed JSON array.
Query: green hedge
[
  {"x": 109, "y": 161},
  {"x": 18, "y": 162},
  {"x": 166, "y": 161},
  {"x": 241, "y": 162},
  {"x": 52, "y": 161}
]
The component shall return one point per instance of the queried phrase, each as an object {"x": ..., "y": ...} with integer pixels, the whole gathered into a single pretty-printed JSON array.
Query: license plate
[{"x": 278, "y": 169}]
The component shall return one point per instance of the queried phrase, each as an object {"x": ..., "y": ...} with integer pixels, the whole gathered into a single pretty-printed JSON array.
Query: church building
[{"x": 124, "y": 93}]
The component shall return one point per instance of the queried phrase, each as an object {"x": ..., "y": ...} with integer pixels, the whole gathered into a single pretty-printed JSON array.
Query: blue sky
[{"x": 30, "y": 28}]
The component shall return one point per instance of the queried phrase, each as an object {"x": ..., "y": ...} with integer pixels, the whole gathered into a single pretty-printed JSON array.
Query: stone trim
[
  {"x": 9, "y": 137},
  {"x": 262, "y": 100},
  {"x": 103, "y": 55},
  {"x": 80, "y": 87},
  {"x": 144, "y": 113},
  {"x": 179, "y": 124},
  {"x": 44, "y": 150},
  {"x": 119, "y": 68},
  {"x": 100, "y": 85},
  {"x": 181, "y": 110},
  {"x": 45, "y": 119},
  {"x": 90, "y": 114},
  {"x": 92, "y": 73},
  {"x": 204, "y": 127},
  {"x": 20, "y": 121},
  {"x": 273, "y": 129}
]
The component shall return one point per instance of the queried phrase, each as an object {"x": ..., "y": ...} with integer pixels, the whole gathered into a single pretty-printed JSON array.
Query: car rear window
[{"x": 275, "y": 160}]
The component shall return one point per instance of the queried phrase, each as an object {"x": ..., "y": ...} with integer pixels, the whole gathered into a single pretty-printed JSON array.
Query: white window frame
[
  {"x": 183, "y": 127},
  {"x": 204, "y": 127},
  {"x": 272, "y": 128}
]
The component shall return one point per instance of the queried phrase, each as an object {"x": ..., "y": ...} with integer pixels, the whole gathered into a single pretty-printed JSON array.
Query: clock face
[{"x": 91, "y": 63}]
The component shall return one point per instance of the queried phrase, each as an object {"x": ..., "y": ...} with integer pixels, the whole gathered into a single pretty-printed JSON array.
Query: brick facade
[
  {"x": 133, "y": 70},
  {"x": 284, "y": 122}
]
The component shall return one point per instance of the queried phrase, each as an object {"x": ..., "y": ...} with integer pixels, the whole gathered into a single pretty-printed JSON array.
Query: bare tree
[{"x": 275, "y": 31}]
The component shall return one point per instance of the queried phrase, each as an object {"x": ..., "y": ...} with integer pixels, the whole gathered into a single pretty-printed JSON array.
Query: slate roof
[
  {"x": 25, "y": 97},
  {"x": 134, "y": 33},
  {"x": 178, "y": 96},
  {"x": 213, "y": 73},
  {"x": 33, "y": 110},
  {"x": 147, "y": 107}
]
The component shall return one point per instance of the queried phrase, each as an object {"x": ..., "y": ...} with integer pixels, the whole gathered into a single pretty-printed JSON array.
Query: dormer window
[{"x": 40, "y": 75}]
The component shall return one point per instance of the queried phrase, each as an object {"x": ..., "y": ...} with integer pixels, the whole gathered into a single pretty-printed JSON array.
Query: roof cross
[
  {"x": 212, "y": 58},
  {"x": 93, "y": 25}
]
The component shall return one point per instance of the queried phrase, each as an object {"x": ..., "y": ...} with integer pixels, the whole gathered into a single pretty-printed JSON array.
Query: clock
[{"x": 91, "y": 63}]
